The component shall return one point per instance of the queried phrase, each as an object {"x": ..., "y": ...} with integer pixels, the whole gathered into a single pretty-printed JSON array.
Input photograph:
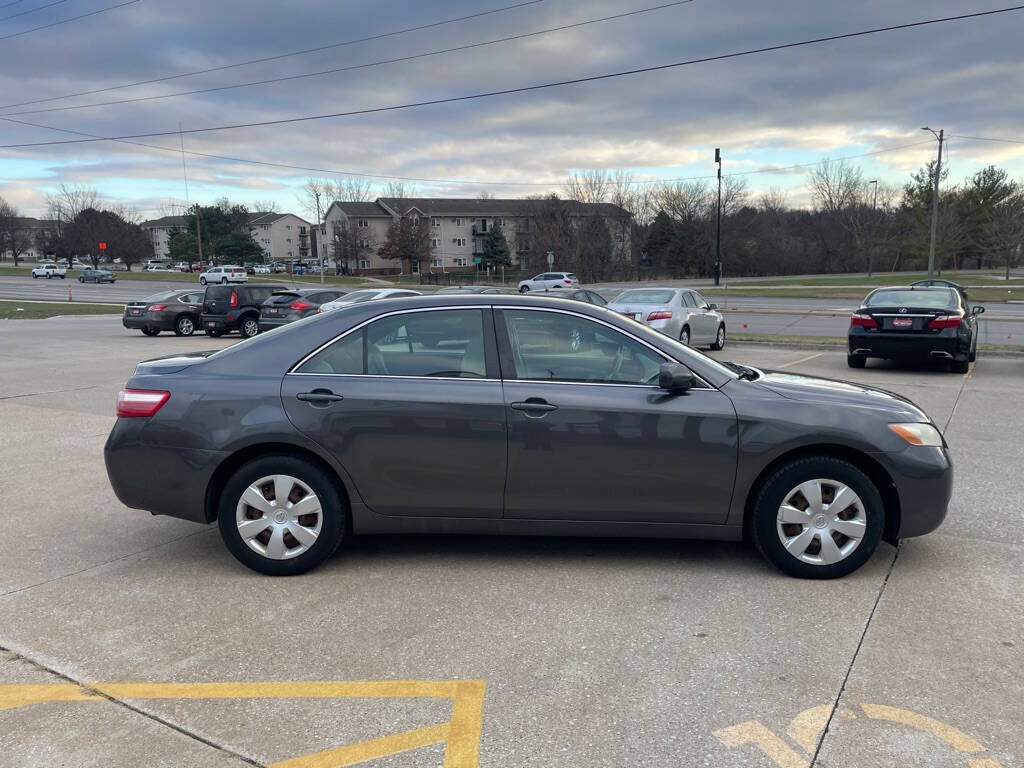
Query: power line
[
  {"x": 33, "y": 10},
  {"x": 984, "y": 138},
  {"x": 352, "y": 67},
  {"x": 528, "y": 88},
  {"x": 14, "y": 2},
  {"x": 277, "y": 57},
  {"x": 454, "y": 182},
  {"x": 68, "y": 21}
]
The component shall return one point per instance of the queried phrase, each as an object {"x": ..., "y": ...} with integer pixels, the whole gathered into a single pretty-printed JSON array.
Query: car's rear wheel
[
  {"x": 249, "y": 327},
  {"x": 684, "y": 335},
  {"x": 281, "y": 515},
  {"x": 856, "y": 361},
  {"x": 719, "y": 342},
  {"x": 525, "y": 289},
  {"x": 151, "y": 331},
  {"x": 817, "y": 518},
  {"x": 185, "y": 326},
  {"x": 223, "y": 281},
  {"x": 202, "y": 281},
  {"x": 81, "y": 279}
]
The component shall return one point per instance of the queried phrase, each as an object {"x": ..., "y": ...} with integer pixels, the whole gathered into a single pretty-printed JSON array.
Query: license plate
[
  {"x": 902, "y": 322},
  {"x": 211, "y": 324},
  {"x": 136, "y": 311},
  {"x": 272, "y": 311}
]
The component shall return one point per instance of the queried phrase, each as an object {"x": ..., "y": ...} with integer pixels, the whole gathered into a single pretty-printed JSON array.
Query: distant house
[
  {"x": 38, "y": 231},
  {"x": 282, "y": 236},
  {"x": 160, "y": 232},
  {"x": 458, "y": 227}
]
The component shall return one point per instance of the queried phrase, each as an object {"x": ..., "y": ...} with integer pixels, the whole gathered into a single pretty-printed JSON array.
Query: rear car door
[
  {"x": 592, "y": 437},
  {"x": 411, "y": 405}
]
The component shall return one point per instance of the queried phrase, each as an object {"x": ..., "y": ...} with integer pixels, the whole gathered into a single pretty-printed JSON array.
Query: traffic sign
[
  {"x": 103, "y": 246},
  {"x": 551, "y": 259},
  {"x": 477, "y": 259}
]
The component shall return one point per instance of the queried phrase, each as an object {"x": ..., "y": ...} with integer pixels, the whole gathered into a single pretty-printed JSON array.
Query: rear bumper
[
  {"x": 924, "y": 483},
  {"x": 185, "y": 473},
  {"x": 218, "y": 323},
  {"x": 909, "y": 345}
]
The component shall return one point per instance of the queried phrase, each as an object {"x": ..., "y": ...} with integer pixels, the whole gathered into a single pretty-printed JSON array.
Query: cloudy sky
[{"x": 766, "y": 111}]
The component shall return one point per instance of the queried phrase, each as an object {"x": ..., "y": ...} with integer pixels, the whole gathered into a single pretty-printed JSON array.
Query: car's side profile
[
  {"x": 97, "y": 276},
  {"x": 223, "y": 275},
  {"x": 515, "y": 415},
  {"x": 549, "y": 281},
  {"x": 176, "y": 311}
]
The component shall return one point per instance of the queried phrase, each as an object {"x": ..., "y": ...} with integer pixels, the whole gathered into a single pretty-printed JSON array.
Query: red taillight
[
  {"x": 858, "y": 320},
  {"x": 234, "y": 299},
  {"x": 945, "y": 321},
  {"x": 300, "y": 305},
  {"x": 568, "y": 281},
  {"x": 662, "y": 315},
  {"x": 140, "y": 403},
  {"x": 157, "y": 307}
]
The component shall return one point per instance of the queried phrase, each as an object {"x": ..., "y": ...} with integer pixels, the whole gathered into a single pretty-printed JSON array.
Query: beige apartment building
[
  {"x": 458, "y": 227},
  {"x": 282, "y": 236}
]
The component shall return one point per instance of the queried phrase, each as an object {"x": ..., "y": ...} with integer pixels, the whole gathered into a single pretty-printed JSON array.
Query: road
[{"x": 130, "y": 640}]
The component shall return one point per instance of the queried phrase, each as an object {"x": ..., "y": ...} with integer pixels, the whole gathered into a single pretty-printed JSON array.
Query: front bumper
[{"x": 924, "y": 483}]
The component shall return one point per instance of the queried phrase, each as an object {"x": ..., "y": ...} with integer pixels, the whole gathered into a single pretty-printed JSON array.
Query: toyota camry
[{"x": 515, "y": 415}]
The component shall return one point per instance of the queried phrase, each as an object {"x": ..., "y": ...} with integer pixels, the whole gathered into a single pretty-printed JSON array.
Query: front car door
[
  {"x": 412, "y": 408},
  {"x": 592, "y": 437},
  {"x": 708, "y": 322}
]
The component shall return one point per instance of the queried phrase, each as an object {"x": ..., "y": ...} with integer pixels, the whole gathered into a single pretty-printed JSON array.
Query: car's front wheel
[
  {"x": 817, "y": 517},
  {"x": 202, "y": 281},
  {"x": 81, "y": 279},
  {"x": 719, "y": 342},
  {"x": 185, "y": 326},
  {"x": 684, "y": 335},
  {"x": 223, "y": 281},
  {"x": 281, "y": 515},
  {"x": 524, "y": 289}
]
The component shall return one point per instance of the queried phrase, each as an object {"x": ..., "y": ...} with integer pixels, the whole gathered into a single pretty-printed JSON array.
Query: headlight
[{"x": 918, "y": 434}]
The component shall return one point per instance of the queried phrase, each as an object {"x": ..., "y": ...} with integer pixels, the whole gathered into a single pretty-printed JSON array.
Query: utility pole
[
  {"x": 199, "y": 236},
  {"x": 319, "y": 237},
  {"x": 874, "y": 205},
  {"x": 935, "y": 202},
  {"x": 718, "y": 230}
]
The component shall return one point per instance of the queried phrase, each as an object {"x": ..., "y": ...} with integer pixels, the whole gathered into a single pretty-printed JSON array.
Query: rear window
[
  {"x": 357, "y": 296},
  {"x": 219, "y": 292},
  {"x": 929, "y": 298},
  {"x": 645, "y": 296},
  {"x": 162, "y": 296}
]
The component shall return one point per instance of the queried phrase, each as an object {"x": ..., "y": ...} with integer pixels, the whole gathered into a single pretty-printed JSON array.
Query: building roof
[
  {"x": 30, "y": 222},
  {"x": 265, "y": 217},
  {"x": 470, "y": 207},
  {"x": 165, "y": 221}
]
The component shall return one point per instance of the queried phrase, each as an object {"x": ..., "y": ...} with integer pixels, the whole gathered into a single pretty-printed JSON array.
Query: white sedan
[
  {"x": 549, "y": 281},
  {"x": 368, "y": 294}
]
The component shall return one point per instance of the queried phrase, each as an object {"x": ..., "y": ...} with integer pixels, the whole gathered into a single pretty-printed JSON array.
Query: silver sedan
[{"x": 681, "y": 313}]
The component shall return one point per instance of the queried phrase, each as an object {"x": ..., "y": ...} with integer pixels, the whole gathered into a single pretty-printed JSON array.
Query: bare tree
[
  {"x": 350, "y": 243},
  {"x": 686, "y": 201},
  {"x": 774, "y": 202},
  {"x": 589, "y": 186},
  {"x": 485, "y": 194},
  {"x": 265, "y": 206},
  {"x": 15, "y": 238},
  {"x": 835, "y": 185},
  {"x": 348, "y": 189},
  {"x": 398, "y": 189},
  {"x": 735, "y": 192}
]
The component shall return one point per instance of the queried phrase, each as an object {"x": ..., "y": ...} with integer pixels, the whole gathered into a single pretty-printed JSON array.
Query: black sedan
[
  {"x": 351, "y": 422},
  {"x": 915, "y": 323},
  {"x": 285, "y": 307},
  {"x": 176, "y": 311},
  {"x": 97, "y": 276}
]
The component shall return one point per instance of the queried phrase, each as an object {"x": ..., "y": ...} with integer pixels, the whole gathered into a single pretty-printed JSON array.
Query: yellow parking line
[
  {"x": 958, "y": 740},
  {"x": 801, "y": 360},
  {"x": 353, "y": 754}
]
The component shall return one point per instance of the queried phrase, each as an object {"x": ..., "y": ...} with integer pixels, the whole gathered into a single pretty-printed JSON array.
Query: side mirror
[
  {"x": 674, "y": 377},
  {"x": 978, "y": 311},
  {"x": 712, "y": 306}
]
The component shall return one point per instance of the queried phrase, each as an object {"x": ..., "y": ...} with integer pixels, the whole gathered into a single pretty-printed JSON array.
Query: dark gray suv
[{"x": 516, "y": 415}]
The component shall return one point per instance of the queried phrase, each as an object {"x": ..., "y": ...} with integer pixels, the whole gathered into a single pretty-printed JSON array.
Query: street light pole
[
  {"x": 319, "y": 237},
  {"x": 718, "y": 228},
  {"x": 935, "y": 202},
  {"x": 874, "y": 205}
]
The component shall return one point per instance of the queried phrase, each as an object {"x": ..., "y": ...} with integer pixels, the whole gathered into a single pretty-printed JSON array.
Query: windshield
[
  {"x": 932, "y": 298},
  {"x": 645, "y": 296}
]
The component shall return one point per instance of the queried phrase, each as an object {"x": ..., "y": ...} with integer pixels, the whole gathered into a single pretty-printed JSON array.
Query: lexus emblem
[{"x": 903, "y": 310}]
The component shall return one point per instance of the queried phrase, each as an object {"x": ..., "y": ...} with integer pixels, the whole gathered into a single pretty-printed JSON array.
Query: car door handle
[
  {"x": 319, "y": 397},
  {"x": 532, "y": 405}
]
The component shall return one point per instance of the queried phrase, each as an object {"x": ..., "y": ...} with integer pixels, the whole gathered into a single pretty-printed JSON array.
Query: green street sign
[{"x": 477, "y": 259}]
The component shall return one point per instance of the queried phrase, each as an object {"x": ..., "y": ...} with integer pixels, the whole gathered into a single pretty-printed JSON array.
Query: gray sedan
[
  {"x": 681, "y": 313},
  {"x": 517, "y": 415}
]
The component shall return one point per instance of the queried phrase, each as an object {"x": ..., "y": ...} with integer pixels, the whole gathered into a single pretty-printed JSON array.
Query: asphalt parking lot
[{"x": 132, "y": 640}]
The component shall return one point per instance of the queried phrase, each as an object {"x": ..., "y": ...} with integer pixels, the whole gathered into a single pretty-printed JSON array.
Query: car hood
[{"x": 819, "y": 390}]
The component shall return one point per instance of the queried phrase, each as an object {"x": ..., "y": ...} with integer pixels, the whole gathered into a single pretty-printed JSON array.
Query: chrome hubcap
[
  {"x": 251, "y": 327},
  {"x": 685, "y": 337},
  {"x": 279, "y": 517},
  {"x": 721, "y": 337},
  {"x": 821, "y": 522},
  {"x": 186, "y": 326}
]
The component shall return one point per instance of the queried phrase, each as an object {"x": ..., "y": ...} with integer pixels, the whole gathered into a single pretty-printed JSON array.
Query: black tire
[
  {"x": 223, "y": 281},
  {"x": 974, "y": 351},
  {"x": 249, "y": 326},
  {"x": 81, "y": 279},
  {"x": 202, "y": 281},
  {"x": 856, "y": 361},
  {"x": 959, "y": 366},
  {"x": 214, "y": 334},
  {"x": 771, "y": 494},
  {"x": 525, "y": 289},
  {"x": 35, "y": 276},
  {"x": 685, "y": 332},
  {"x": 185, "y": 325},
  {"x": 49, "y": 277},
  {"x": 61, "y": 276},
  {"x": 334, "y": 512},
  {"x": 150, "y": 332},
  {"x": 719, "y": 342}
]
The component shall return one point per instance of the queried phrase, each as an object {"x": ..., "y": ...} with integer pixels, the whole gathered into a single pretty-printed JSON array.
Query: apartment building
[
  {"x": 282, "y": 236},
  {"x": 160, "y": 231},
  {"x": 458, "y": 227},
  {"x": 37, "y": 231}
]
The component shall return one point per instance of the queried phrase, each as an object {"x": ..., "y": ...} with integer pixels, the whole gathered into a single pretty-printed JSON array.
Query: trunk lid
[
  {"x": 893, "y": 319},
  {"x": 171, "y": 363}
]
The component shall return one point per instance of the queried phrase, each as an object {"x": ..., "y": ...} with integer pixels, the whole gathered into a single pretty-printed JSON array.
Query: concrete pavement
[{"x": 585, "y": 652}]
